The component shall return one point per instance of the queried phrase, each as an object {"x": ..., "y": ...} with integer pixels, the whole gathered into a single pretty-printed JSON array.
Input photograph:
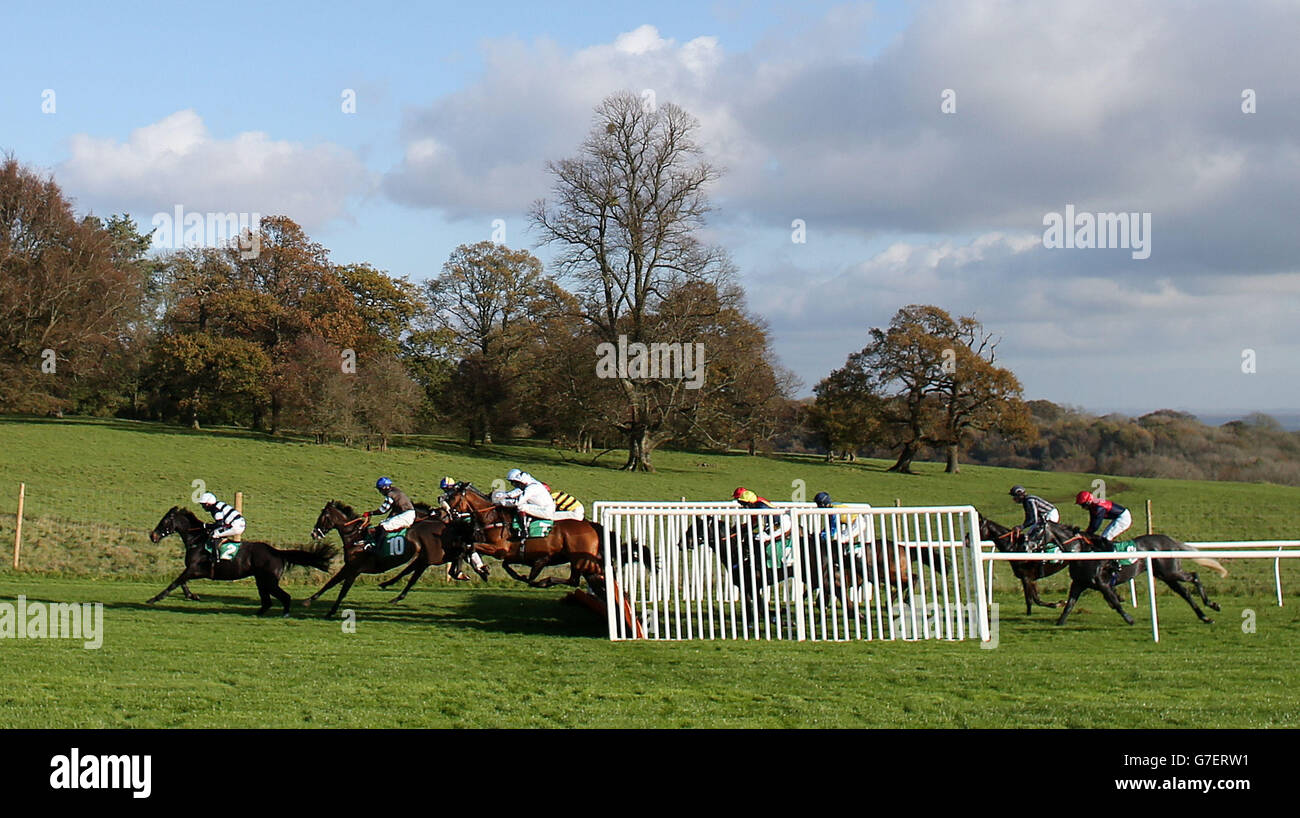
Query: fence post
[
  {"x": 1151, "y": 588},
  {"x": 18, "y": 525},
  {"x": 239, "y": 506},
  {"x": 1151, "y": 528}
]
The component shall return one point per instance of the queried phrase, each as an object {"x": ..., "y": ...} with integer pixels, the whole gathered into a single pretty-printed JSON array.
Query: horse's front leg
[
  {"x": 1113, "y": 600},
  {"x": 190, "y": 595},
  {"x": 506, "y": 565},
  {"x": 334, "y": 580},
  {"x": 536, "y": 572},
  {"x": 1076, "y": 590},
  {"x": 188, "y": 573}
]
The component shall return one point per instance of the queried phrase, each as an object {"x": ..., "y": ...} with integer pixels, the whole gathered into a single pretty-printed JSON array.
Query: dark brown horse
[
  {"x": 429, "y": 541},
  {"x": 1011, "y": 540},
  {"x": 259, "y": 560},
  {"x": 572, "y": 542},
  {"x": 1104, "y": 575}
]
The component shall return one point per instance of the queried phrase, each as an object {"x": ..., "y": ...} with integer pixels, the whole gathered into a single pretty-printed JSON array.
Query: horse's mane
[
  {"x": 186, "y": 512},
  {"x": 475, "y": 489},
  {"x": 343, "y": 507}
]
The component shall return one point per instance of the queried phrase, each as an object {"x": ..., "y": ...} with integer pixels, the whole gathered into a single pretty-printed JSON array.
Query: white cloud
[{"x": 178, "y": 161}]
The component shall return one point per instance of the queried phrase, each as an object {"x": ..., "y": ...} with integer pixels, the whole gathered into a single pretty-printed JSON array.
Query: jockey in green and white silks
[
  {"x": 227, "y": 524},
  {"x": 529, "y": 498},
  {"x": 775, "y": 530}
]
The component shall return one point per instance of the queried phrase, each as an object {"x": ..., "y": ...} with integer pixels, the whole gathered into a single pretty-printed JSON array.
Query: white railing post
[{"x": 1151, "y": 589}]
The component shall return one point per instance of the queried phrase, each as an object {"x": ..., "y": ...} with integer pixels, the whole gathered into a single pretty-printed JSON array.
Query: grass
[
  {"x": 504, "y": 656},
  {"x": 510, "y": 657}
]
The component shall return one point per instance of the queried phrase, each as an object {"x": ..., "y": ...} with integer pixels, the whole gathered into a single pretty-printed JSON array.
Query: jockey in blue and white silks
[{"x": 1038, "y": 512}]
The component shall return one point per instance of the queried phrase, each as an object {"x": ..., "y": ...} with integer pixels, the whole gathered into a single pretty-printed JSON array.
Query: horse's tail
[
  {"x": 1170, "y": 544},
  {"x": 318, "y": 557},
  {"x": 1213, "y": 565}
]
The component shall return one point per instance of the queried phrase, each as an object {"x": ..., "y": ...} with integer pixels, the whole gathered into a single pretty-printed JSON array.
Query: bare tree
[{"x": 625, "y": 217}]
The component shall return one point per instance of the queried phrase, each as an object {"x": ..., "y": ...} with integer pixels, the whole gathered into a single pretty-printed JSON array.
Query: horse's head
[
  {"x": 465, "y": 499},
  {"x": 166, "y": 526},
  {"x": 333, "y": 515}
]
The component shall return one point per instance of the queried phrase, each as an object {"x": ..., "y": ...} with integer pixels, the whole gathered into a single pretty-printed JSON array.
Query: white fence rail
[
  {"x": 1214, "y": 550},
  {"x": 716, "y": 571}
]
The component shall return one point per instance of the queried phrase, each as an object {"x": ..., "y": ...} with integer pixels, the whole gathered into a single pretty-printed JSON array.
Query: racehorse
[
  {"x": 1009, "y": 540},
  {"x": 575, "y": 542},
  {"x": 739, "y": 547},
  {"x": 428, "y": 541},
  {"x": 1102, "y": 575},
  {"x": 262, "y": 561}
]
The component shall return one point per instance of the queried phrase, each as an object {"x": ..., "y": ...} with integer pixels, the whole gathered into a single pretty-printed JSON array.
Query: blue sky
[{"x": 825, "y": 112}]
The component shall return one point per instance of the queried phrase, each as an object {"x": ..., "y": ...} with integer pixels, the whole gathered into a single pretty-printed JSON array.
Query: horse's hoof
[
  {"x": 306, "y": 603},
  {"x": 394, "y": 600},
  {"x": 1208, "y": 620},
  {"x": 284, "y": 615},
  {"x": 1215, "y": 606}
]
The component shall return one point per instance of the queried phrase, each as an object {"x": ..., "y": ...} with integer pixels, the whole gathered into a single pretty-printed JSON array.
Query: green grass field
[{"x": 502, "y": 655}]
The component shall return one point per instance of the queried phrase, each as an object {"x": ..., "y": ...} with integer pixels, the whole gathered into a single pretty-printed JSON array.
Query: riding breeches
[
  {"x": 233, "y": 530},
  {"x": 399, "y": 521},
  {"x": 1118, "y": 526}
]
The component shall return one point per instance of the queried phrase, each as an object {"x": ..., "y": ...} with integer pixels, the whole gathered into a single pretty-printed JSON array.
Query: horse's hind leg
[
  {"x": 347, "y": 584},
  {"x": 421, "y": 564},
  {"x": 1200, "y": 589},
  {"x": 264, "y": 584},
  {"x": 1173, "y": 582}
]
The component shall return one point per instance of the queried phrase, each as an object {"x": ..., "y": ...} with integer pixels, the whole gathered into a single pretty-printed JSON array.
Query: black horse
[
  {"x": 265, "y": 563},
  {"x": 1104, "y": 575},
  {"x": 1012, "y": 540}
]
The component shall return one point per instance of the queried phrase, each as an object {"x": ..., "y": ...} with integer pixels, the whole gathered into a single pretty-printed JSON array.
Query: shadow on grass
[{"x": 531, "y": 613}]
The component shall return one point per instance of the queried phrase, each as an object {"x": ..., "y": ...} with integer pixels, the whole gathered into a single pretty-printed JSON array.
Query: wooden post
[
  {"x": 18, "y": 526},
  {"x": 1151, "y": 529},
  {"x": 239, "y": 506},
  {"x": 898, "y": 503}
]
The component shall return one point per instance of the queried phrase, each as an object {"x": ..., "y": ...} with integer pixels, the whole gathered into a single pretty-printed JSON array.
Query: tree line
[{"x": 638, "y": 336}]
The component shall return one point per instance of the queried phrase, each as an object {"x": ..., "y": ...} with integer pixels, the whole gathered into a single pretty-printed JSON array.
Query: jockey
[
  {"x": 398, "y": 507},
  {"x": 448, "y": 485},
  {"x": 1037, "y": 512},
  {"x": 529, "y": 498},
  {"x": 1102, "y": 510},
  {"x": 842, "y": 527},
  {"x": 749, "y": 499},
  {"x": 227, "y": 524}
]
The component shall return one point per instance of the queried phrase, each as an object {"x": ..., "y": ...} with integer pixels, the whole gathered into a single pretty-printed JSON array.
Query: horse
[
  {"x": 1010, "y": 540},
  {"x": 1102, "y": 575},
  {"x": 740, "y": 546},
  {"x": 262, "y": 561},
  {"x": 575, "y": 542},
  {"x": 428, "y": 541}
]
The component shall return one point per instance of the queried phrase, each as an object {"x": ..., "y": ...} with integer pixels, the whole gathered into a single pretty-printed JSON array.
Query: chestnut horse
[
  {"x": 429, "y": 541},
  {"x": 575, "y": 542}
]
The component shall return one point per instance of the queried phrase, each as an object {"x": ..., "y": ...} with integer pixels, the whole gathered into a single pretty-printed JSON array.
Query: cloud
[{"x": 177, "y": 161}]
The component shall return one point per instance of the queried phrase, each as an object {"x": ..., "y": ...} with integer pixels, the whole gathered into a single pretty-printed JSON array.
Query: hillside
[{"x": 110, "y": 482}]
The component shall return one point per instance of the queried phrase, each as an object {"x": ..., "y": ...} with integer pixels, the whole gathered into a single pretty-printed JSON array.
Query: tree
[
  {"x": 481, "y": 302},
  {"x": 387, "y": 398},
  {"x": 625, "y": 218},
  {"x": 71, "y": 291},
  {"x": 847, "y": 410}
]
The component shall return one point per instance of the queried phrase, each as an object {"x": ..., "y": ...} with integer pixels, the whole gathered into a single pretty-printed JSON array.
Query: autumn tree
[{"x": 71, "y": 291}]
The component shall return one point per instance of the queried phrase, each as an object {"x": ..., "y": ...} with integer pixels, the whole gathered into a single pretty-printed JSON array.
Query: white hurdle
[{"x": 683, "y": 571}]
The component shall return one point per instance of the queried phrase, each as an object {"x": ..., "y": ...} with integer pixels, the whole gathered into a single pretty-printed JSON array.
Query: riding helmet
[
  {"x": 1083, "y": 498},
  {"x": 822, "y": 499},
  {"x": 383, "y": 483}
]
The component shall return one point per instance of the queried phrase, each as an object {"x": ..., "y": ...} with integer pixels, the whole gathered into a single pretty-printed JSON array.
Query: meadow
[{"x": 502, "y": 655}]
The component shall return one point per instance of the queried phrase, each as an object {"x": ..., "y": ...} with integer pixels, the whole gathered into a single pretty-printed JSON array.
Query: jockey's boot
[{"x": 476, "y": 562}]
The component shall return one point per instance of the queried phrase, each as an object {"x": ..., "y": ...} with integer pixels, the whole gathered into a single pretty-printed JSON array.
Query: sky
[{"x": 874, "y": 155}]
